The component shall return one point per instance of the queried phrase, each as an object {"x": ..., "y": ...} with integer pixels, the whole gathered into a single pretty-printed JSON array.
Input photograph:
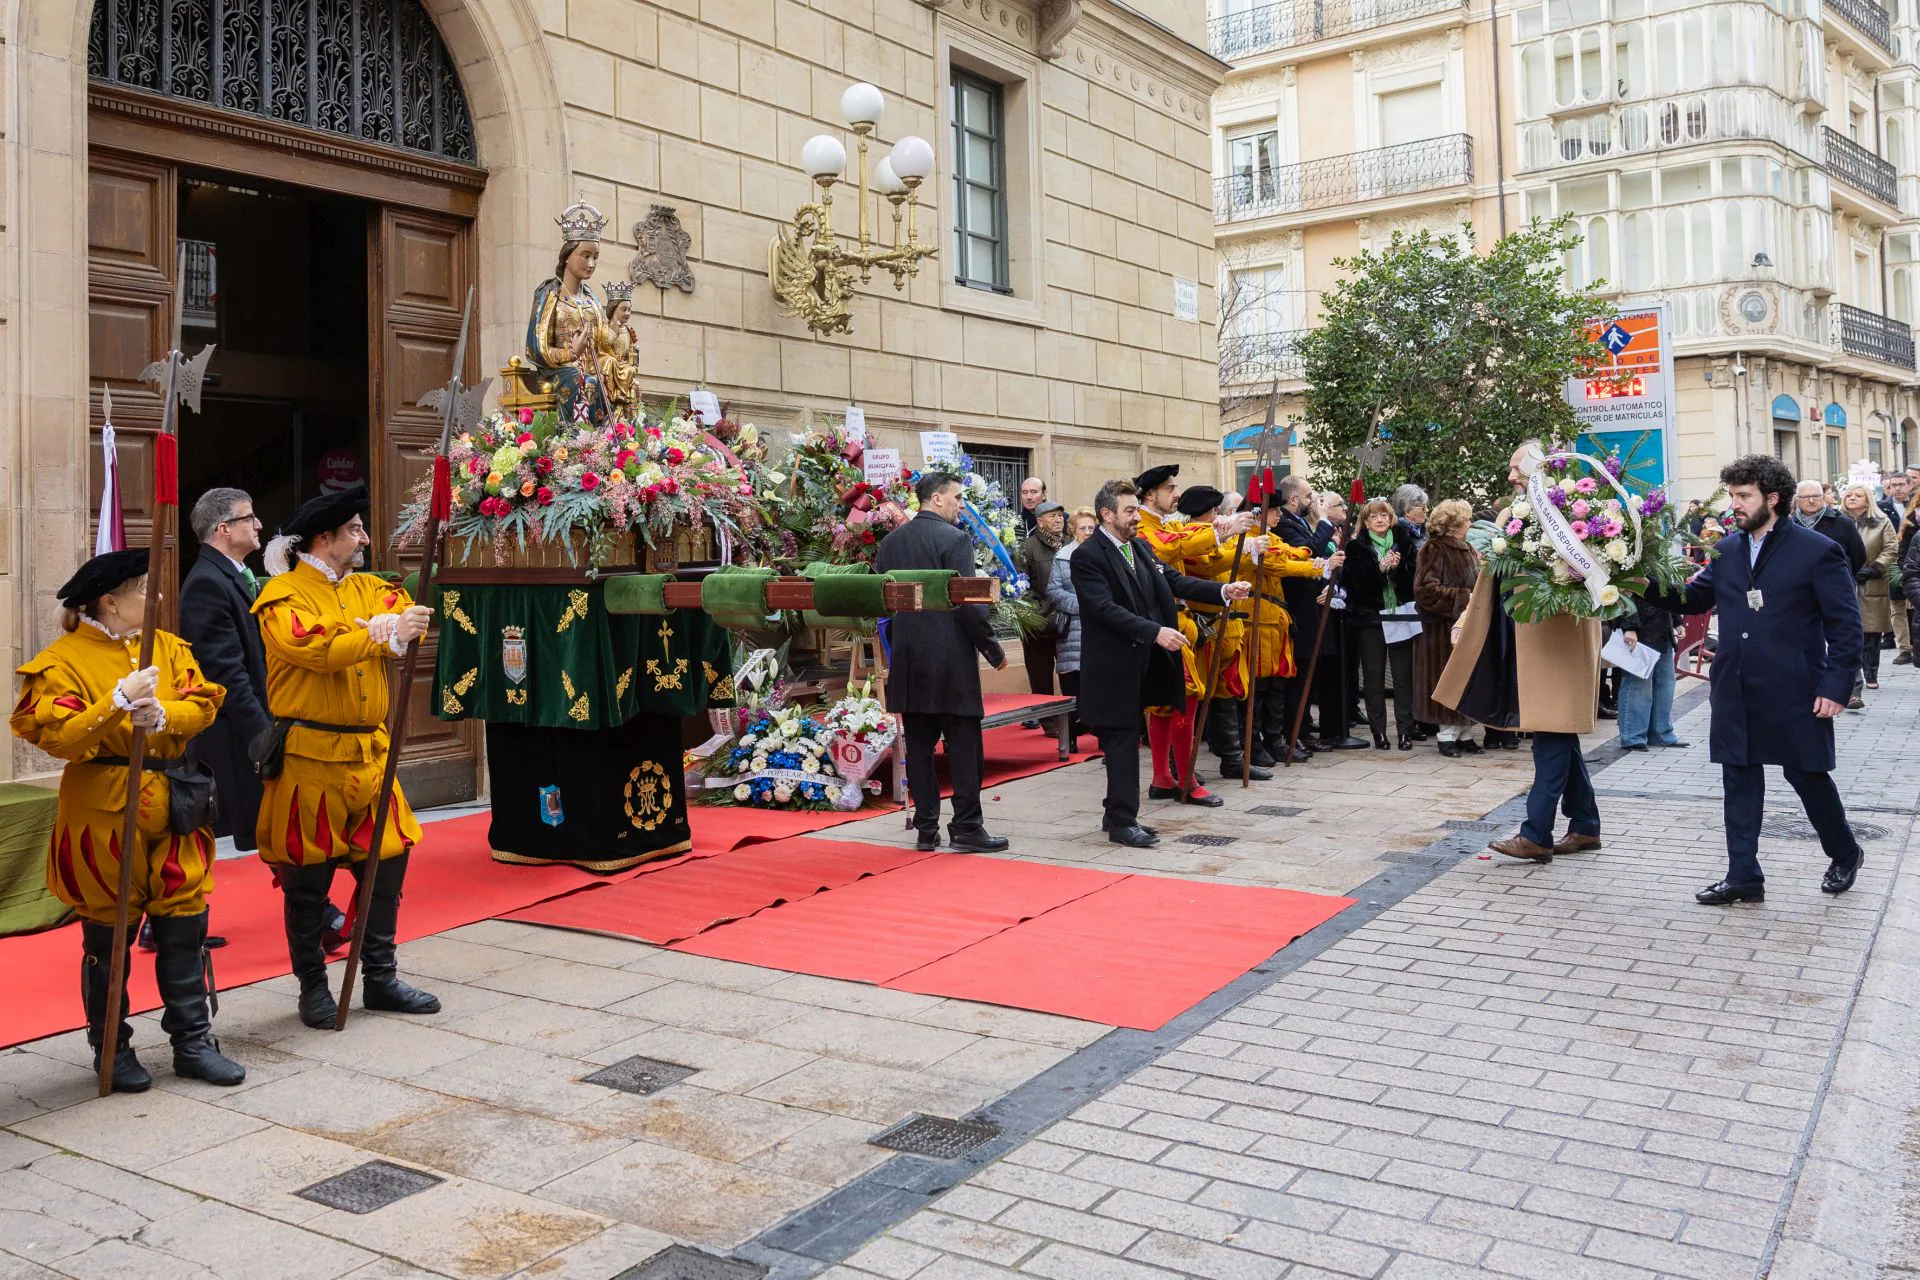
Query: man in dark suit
[
  {"x": 1789, "y": 646},
  {"x": 1130, "y": 645},
  {"x": 216, "y": 618},
  {"x": 933, "y": 679}
]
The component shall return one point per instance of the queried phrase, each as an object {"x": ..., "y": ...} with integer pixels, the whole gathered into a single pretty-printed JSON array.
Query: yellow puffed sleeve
[
  {"x": 57, "y": 714},
  {"x": 195, "y": 698},
  {"x": 296, "y": 633}
]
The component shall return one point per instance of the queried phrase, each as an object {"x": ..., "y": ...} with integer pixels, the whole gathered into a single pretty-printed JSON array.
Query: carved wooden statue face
[
  {"x": 621, "y": 312},
  {"x": 580, "y": 261}
]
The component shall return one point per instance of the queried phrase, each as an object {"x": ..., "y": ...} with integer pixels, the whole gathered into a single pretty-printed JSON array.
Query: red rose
[
  {"x": 624, "y": 457},
  {"x": 653, "y": 433},
  {"x": 473, "y": 466},
  {"x": 624, "y": 431},
  {"x": 676, "y": 455},
  {"x": 673, "y": 486},
  {"x": 526, "y": 417},
  {"x": 544, "y": 496},
  {"x": 866, "y": 535},
  {"x": 526, "y": 438},
  {"x": 543, "y": 465},
  {"x": 590, "y": 481}
]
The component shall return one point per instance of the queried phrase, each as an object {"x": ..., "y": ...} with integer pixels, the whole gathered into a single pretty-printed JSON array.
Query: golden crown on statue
[
  {"x": 581, "y": 223},
  {"x": 617, "y": 291}
]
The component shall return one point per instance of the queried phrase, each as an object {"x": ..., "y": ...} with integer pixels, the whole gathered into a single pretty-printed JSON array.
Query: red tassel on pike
[
  {"x": 166, "y": 469},
  {"x": 442, "y": 502},
  {"x": 1358, "y": 494}
]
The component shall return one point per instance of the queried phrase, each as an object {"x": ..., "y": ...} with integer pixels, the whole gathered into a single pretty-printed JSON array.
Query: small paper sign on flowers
[
  {"x": 1576, "y": 542},
  {"x": 863, "y": 733}
]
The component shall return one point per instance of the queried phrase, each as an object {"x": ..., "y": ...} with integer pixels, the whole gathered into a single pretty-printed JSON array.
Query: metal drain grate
[
  {"x": 1785, "y": 828},
  {"x": 935, "y": 1137},
  {"x": 1207, "y": 841},
  {"x": 1277, "y": 810},
  {"x": 374, "y": 1185},
  {"x": 1466, "y": 824},
  {"x": 641, "y": 1075},
  {"x": 678, "y": 1262}
]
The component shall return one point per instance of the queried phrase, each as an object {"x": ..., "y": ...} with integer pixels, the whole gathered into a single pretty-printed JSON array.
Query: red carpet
[
  {"x": 1134, "y": 954},
  {"x": 690, "y": 897},
  {"x": 877, "y": 929}
]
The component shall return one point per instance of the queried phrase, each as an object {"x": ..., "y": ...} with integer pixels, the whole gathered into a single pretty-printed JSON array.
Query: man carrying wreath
[{"x": 1540, "y": 677}]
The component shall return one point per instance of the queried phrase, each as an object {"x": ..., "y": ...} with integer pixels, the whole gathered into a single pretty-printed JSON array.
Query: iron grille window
[
  {"x": 199, "y": 308},
  {"x": 374, "y": 70},
  {"x": 1004, "y": 467},
  {"x": 980, "y": 183}
]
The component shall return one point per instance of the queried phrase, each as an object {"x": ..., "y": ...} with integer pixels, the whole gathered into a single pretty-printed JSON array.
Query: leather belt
[{"x": 333, "y": 728}]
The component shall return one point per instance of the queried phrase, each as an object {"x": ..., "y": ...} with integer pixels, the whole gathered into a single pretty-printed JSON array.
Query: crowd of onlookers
[{"x": 1407, "y": 570}]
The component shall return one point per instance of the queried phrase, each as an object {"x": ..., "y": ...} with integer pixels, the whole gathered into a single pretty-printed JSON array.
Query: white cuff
[
  {"x": 395, "y": 643},
  {"x": 162, "y": 726},
  {"x": 120, "y": 698}
]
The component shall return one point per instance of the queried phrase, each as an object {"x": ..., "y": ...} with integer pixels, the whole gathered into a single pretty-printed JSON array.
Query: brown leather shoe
[
  {"x": 1571, "y": 843},
  {"x": 1520, "y": 847}
]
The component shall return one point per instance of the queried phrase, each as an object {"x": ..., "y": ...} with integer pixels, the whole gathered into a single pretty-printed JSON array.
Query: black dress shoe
[
  {"x": 977, "y": 842},
  {"x": 1135, "y": 837},
  {"x": 1469, "y": 747},
  {"x": 1719, "y": 895},
  {"x": 1348, "y": 743},
  {"x": 1302, "y": 754},
  {"x": 1634, "y": 746},
  {"x": 1261, "y": 758},
  {"x": 1451, "y": 750},
  {"x": 1143, "y": 826},
  {"x": 1406, "y": 742},
  {"x": 215, "y": 941},
  {"x": 1254, "y": 772},
  {"x": 1839, "y": 879},
  {"x": 1163, "y": 793},
  {"x": 1380, "y": 742},
  {"x": 1609, "y": 713},
  {"x": 926, "y": 844}
]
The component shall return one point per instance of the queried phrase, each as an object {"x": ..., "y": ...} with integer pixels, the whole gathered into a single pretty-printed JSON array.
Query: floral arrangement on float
[
  {"x": 988, "y": 516},
  {"x": 532, "y": 478},
  {"x": 830, "y": 511},
  {"x": 779, "y": 760},
  {"x": 1577, "y": 542}
]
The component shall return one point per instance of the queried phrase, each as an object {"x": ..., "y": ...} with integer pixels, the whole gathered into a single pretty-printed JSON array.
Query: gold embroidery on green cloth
[
  {"x": 566, "y": 682},
  {"x": 712, "y": 675},
  {"x": 649, "y": 795},
  {"x": 465, "y": 682},
  {"x": 579, "y": 709},
  {"x": 450, "y": 601},
  {"x": 449, "y": 702},
  {"x": 516, "y": 697},
  {"x": 663, "y": 680},
  {"x": 722, "y": 691},
  {"x": 449, "y": 705},
  {"x": 620, "y": 685},
  {"x": 576, "y": 610}
]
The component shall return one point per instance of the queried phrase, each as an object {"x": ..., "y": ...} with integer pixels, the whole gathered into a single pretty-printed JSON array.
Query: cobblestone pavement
[{"x": 1480, "y": 1069}]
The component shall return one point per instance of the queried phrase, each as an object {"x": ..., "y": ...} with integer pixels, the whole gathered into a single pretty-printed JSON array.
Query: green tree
[{"x": 1459, "y": 355}]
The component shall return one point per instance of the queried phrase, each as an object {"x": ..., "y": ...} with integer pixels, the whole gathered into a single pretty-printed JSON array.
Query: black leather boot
[
  {"x": 185, "y": 974},
  {"x": 1230, "y": 717},
  {"x": 304, "y": 894},
  {"x": 380, "y": 984},
  {"x": 96, "y": 943}
]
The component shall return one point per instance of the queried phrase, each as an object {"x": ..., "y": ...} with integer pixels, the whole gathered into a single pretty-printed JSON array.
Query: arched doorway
[{"x": 312, "y": 165}]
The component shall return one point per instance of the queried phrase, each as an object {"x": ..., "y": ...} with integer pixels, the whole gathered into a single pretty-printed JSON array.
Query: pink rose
[
  {"x": 1586, "y": 484},
  {"x": 590, "y": 481},
  {"x": 1515, "y": 526},
  {"x": 1580, "y": 528},
  {"x": 526, "y": 417},
  {"x": 1581, "y": 509}
]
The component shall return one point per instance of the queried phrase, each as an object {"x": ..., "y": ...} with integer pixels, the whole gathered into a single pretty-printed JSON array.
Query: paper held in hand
[{"x": 1637, "y": 660}]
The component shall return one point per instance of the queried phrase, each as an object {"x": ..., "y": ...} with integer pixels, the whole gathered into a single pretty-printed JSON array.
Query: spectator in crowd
[
  {"x": 1036, "y": 561},
  {"x": 1893, "y": 496},
  {"x": 1131, "y": 646},
  {"x": 1065, "y": 607},
  {"x": 1789, "y": 649},
  {"x": 1646, "y": 702},
  {"x": 1541, "y": 678},
  {"x": 1379, "y": 578},
  {"x": 935, "y": 679},
  {"x": 1813, "y": 509},
  {"x": 1033, "y": 492},
  {"x": 1899, "y": 491},
  {"x": 1443, "y": 578},
  {"x": 1300, "y": 524},
  {"x": 1881, "y": 544},
  {"x": 1410, "y": 508}
]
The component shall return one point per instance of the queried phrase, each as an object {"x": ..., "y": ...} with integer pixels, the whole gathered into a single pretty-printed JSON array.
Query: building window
[
  {"x": 1876, "y": 452},
  {"x": 1002, "y": 466},
  {"x": 1833, "y": 458},
  {"x": 1252, "y": 159},
  {"x": 1786, "y": 447},
  {"x": 979, "y": 184}
]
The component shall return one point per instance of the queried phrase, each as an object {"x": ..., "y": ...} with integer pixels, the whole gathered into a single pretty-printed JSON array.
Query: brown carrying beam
[{"x": 797, "y": 593}]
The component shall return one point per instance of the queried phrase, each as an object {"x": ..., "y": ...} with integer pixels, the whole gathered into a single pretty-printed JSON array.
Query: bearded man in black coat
[
  {"x": 1130, "y": 645},
  {"x": 933, "y": 678}
]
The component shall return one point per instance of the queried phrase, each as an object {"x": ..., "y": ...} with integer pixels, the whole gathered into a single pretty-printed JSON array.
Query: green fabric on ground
[
  {"x": 552, "y": 656},
  {"x": 933, "y": 586},
  {"x": 26, "y": 821}
]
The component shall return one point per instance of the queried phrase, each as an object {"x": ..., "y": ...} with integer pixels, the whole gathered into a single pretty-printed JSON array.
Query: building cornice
[{"x": 1135, "y": 37}]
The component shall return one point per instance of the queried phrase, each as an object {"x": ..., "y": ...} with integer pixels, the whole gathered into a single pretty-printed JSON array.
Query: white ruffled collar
[
  {"x": 322, "y": 566},
  {"x": 101, "y": 627}
]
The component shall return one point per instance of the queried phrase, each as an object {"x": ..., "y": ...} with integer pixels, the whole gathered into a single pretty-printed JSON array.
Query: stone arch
[{"x": 520, "y": 135}]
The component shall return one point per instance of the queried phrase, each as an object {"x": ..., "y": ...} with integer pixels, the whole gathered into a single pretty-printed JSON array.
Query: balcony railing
[
  {"x": 1713, "y": 115},
  {"x": 1267, "y": 27},
  {"x": 1860, "y": 169},
  {"x": 1407, "y": 169},
  {"x": 1868, "y": 18},
  {"x": 1870, "y": 334},
  {"x": 1261, "y": 357}
]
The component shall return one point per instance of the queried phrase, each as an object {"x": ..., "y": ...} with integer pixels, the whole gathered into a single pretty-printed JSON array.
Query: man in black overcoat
[
  {"x": 933, "y": 677},
  {"x": 216, "y": 618},
  {"x": 1297, "y": 527},
  {"x": 1130, "y": 646},
  {"x": 1789, "y": 645}
]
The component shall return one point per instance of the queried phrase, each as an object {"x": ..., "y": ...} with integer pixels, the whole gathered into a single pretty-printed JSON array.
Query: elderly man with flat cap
[
  {"x": 1183, "y": 546},
  {"x": 329, "y": 635}
]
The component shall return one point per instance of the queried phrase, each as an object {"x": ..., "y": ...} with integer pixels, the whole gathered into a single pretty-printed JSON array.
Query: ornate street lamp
[{"x": 810, "y": 270}]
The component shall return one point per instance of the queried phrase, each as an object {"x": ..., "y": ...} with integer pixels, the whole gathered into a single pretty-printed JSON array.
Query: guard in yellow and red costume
[
  {"x": 1200, "y": 549},
  {"x": 80, "y": 701},
  {"x": 1273, "y": 655},
  {"x": 329, "y": 634}
]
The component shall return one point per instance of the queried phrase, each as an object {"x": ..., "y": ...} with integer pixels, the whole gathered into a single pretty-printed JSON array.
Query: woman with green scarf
[{"x": 1378, "y": 579}]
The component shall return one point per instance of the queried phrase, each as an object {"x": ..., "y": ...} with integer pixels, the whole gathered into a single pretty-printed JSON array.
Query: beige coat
[
  {"x": 1883, "y": 546},
  {"x": 1557, "y": 663}
]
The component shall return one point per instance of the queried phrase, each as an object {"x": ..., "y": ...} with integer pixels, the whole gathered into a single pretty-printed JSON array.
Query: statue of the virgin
[{"x": 567, "y": 333}]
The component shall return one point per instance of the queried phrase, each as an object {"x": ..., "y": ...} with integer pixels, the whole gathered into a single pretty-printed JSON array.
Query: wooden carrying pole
[
  {"x": 457, "y": 403},
  {"x": 178, "y": 379},
  {"x": 1213, "y": 672},
  {"x": 1265, "y": 481}
]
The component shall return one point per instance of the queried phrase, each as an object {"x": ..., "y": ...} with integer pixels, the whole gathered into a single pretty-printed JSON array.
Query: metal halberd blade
[{"x": 188, "y": 376}]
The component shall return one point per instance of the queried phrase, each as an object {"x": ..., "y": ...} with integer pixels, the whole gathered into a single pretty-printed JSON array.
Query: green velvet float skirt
[{"x": 603, "y": 800}]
